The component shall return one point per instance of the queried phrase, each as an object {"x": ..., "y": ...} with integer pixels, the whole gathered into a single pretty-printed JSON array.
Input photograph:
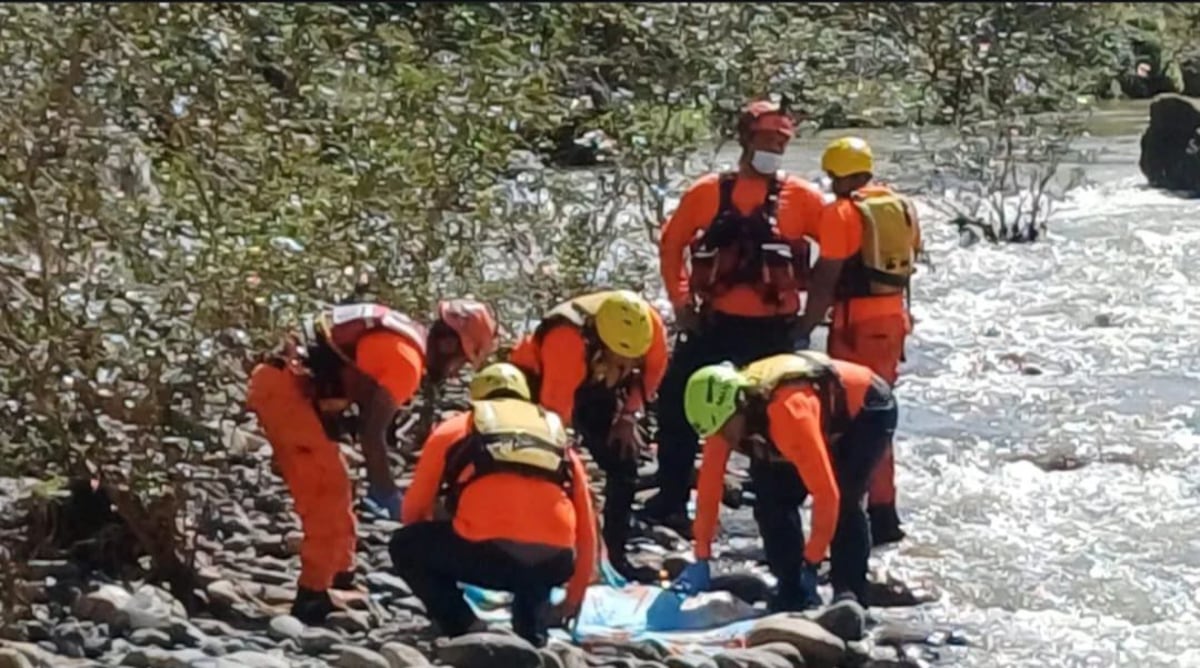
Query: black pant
[
  {"x": 433, "y": 559},
  {"x": 595, "y": 408},
  {"x": 720, "y": 338},
  {"x": 779, "y": 493}
]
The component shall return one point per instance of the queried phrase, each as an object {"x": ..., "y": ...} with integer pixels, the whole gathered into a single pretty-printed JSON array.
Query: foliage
[{"x": 178, "y": 182}]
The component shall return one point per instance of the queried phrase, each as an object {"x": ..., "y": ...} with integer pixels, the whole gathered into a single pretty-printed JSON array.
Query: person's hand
[
  {"x": 563, "y": 614},
  {"x": 626, "y": 436},
  {"x": 386, "y": 503},
  {"x": 694, "y": 579},
  {"x": 808, "y": 586},
  {"x": 686, "y": 317}
]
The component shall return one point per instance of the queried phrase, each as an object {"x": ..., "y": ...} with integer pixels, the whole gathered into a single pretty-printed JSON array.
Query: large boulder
[{"x": 1171, "y": 144}]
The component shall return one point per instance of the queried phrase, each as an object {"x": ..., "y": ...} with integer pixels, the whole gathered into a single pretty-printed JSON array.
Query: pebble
[
  {"x": 151, "y": 607},
  {"x": 820, "y": 648},
  {"x": 103, "y": 605},
  {"x": 316, "y": 640},
  {"x": 484, "y": 650},
  {"x": 350, "y": 621},
  {"x": 399, "y": 655},
  {"x": 258, "y": 660},
  {"x": 382, "y": 580},
  {"x": 68, "y": 639},
  {"x": 844, "y": 619},
  {"x": 11, "y": 658},
  {"x": 691, "y": 661},
  {"x": 222, "y": 593},
  {"x": 284, "y": 627},
  {"x": 752, "y": 658},
  {"x": 784, "y": 650},
  {"x": 360, "y": 657},
  {"x": 151, "y": 638}
]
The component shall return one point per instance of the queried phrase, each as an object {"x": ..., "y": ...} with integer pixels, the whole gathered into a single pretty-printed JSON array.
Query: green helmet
[{"x": 711, "y": 397}]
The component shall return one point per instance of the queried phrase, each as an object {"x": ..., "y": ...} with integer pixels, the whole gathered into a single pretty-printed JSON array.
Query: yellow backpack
[{"x": 891, "y": 239}]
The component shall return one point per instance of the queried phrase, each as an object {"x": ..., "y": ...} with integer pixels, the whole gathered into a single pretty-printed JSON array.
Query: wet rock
[
  {"x": 316, "y": 640},
  {"x": 383, "y": 581},
  {"x": 819, "y": 647},
  {"x": 1169, "y": 157},
  {"x": 258, "y": 660},
  {"x": 285, "y": 627},
  {"x": 102, "y": 606},
  {"x": 751, "y": 658},
  {"x": 785, "y": 651},
  {"x": 844, "y": 619},
  {"x": 690, "y": 661},
  {"x": 483, "y": 650},
  {"x": 11, "y": 658},
  {"x": 399, "y": 655},
  {"x": 151, "y": 638},
  {"x": 350, "y": 621},
  {"x": 360, "y": 657}
]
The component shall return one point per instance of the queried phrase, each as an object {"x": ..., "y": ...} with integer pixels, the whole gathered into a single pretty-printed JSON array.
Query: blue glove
[
  {"x": 808, "y": 586},
  {"x": 694, "y": 579},
  {"x": 386, "y": 505}
]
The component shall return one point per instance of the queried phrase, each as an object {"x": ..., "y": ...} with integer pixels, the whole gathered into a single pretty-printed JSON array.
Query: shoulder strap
[
  {"x": 771, "y": 203},
  {"x": 727, "y": 181}
]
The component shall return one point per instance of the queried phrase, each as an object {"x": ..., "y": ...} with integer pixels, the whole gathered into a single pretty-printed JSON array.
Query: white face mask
[{"x": 766, "y": 163}]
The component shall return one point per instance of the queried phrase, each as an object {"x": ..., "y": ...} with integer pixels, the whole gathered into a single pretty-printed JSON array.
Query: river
[{"x": 1095, "y": 566}]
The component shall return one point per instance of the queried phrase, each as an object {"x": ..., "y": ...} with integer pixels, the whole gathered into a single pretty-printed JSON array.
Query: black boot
[
  {"x": 885, "y": 525},
  {"x": 312, "y": 607}
]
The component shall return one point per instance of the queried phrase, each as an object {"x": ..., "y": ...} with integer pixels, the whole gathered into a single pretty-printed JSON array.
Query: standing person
[
  {"x": 522, "y": 514},
  {"x": 744, "y": 234},
  {"x": 595, "y": 360},
  {"x": 364, "y": 354},
  {"x": 870, "y": 238},
  {"x": 809, "y": 424}
]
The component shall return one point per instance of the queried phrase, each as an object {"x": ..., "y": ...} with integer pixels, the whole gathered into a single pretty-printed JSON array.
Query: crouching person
[
  {"x": 810, "y": 425},
  {"x": 522, "y": 516}
]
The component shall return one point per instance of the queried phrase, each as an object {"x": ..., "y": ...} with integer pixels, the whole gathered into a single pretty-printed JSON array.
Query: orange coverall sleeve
[
  {"x": 710, "y": 487},
  {"x": 564, "y": 369},
  {"x": 695, "y": 211},
  {"x": 585, "y": 531},
  {"x": 655, "y": 366},
  {"x": 393, "y": 362},
  {"x": 795, "y": 429},
  {"x": 427, "y": 479}
]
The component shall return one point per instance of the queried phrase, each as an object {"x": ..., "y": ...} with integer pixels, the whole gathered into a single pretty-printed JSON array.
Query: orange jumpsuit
[
  {"x": 311, "y": 464},
  {"x": 509, "y": 506},
  {"x": 868, "y": 330}
]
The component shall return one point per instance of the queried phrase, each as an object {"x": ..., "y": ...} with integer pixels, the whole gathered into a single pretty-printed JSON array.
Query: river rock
[
  {"x": 284, "y": 627},
  {"x": 784, "y": 650},
  {"x": 384, "y": 581},
  {"x": 151, "y": 608},
  {"x": 360, "y": 657},
  {"x": 11, "y": 658},
  {"x": 350, "y": 621},
  {"x": 752, "y": 658},
  {"x": 316, "y": 640},
  {"x": 483, "y": 650},
  {"x": 1169, "y": 157},
  {"x": 571, "y": 656},
  {"x": 151, "y": 638},
  {"x": 691, "y": 661},
  {"x": 844, "y": 619},
  {"x": 819, "y": 647},
  {"x": 399, "y": 655},
  {"x": 259, "y": 659},
  {"x": 102, "y": 606},
  {"x": 550, "y": 659}
]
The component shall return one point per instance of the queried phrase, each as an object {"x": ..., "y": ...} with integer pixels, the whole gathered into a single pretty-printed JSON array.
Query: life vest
[
  {"x": 338, "y": 331},
  {"x": 807, "y": 367},
  {"x": 579, "y": 313},
  {"x": 887, "y": 258},
  {"x": 512, "y": 436},
  {"x": 739, "y": 249}
]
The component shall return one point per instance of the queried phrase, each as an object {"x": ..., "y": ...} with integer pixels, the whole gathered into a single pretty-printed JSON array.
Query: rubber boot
[
  {"x": 885, "y": 525},
  {"x": 312, "y": 607}
]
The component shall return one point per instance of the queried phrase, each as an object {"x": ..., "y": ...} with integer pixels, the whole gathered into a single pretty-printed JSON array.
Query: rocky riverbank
[{"x": 246, "y": 538}]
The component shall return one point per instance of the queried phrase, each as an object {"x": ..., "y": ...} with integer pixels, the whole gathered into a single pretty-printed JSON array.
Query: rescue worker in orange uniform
[
  {"x": 595, "y": 360},
  {"x": 870, "y": 238},
  {"x": 522, "y": 514},
  {"x": 743, "y": 233},
  {"x": 809, "y": 424},
  {"x": 364, "y": 354}
]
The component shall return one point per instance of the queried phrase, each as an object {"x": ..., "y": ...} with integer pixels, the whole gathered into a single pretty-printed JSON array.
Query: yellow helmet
[
  {"x": 499, "y": 377},
  {"x": 846, "y": 156},
  {"x": 623, "y": 323}
]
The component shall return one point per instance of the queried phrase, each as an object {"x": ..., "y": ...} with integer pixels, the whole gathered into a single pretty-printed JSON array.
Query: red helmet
[
  {"x": 475, "y": 325},
  {"x": 765, "y": 115}
]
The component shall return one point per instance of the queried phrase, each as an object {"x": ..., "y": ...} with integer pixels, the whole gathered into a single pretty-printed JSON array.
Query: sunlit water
[{"x": 1097, "y": 566}]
